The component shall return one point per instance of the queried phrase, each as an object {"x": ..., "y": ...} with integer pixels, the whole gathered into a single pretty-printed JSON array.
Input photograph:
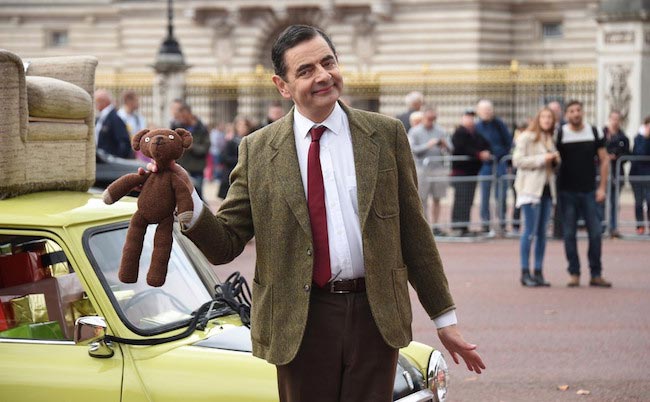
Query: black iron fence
[{"x": 517, "y": 92}]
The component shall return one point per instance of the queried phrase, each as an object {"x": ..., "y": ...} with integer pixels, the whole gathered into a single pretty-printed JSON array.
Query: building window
[
  {"x": 551, "y": 30},
  {"x": 58, "y": 38}
]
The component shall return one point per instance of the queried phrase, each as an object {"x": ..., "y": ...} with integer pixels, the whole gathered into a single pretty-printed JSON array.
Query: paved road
[{"x": 534, "y": 340}]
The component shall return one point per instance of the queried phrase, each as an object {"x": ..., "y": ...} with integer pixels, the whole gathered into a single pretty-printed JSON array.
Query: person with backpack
[{"x": 579, "y": 143}]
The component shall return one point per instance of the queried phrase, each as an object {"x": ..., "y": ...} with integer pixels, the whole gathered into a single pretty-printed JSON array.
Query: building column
[{"x": 624, "y": 62}]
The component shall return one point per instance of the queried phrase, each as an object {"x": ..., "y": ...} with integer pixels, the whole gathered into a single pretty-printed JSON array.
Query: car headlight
[{"x": 438, "y": 376}]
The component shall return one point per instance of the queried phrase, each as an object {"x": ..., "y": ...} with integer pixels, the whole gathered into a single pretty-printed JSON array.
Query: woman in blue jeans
[{"x": 536, "y": 159}]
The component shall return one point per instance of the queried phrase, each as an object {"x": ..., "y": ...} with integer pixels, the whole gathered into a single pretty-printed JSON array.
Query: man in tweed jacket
[{"x": 337, "y": 342}]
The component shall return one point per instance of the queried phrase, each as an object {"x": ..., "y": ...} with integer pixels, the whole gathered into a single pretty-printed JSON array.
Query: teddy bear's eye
[
  {"x": 171, "y": 136},
  {"x": 147, "y": 139}
]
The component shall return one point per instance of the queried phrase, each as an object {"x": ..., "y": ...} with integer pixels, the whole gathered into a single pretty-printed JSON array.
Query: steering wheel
[{"x": 146, "y": 294}]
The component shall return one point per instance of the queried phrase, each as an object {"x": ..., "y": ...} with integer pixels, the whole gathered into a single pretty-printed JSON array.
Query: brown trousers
[{"x": 342, "y": 358}]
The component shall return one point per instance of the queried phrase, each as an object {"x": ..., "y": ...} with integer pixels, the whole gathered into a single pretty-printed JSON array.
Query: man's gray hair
[{"x": 413, "y": 97}]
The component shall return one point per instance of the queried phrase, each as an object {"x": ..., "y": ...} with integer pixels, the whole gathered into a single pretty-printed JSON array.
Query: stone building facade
[{"x": 223, "y": 41}]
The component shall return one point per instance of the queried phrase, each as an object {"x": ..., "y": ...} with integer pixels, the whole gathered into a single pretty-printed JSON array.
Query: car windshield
[{"x": 144, "y": 309}]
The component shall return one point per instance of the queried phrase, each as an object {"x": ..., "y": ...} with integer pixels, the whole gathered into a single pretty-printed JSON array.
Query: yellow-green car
[{"x": 60, "y": 335}]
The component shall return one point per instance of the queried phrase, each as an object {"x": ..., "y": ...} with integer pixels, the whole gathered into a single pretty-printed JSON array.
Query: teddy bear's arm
[
  {"x": 183, "y": 195},
  {"x": 122, "y": 186}
]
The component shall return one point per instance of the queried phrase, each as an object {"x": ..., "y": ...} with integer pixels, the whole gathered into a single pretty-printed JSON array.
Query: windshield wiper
[
  {"x": 193, "y": 325},
  {"x": 231, "y": 297}
]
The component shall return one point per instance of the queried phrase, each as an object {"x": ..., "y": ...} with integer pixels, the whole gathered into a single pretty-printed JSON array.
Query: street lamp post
[
  {"x": 170, "y": 67},
  {"x": 514, "y": 71}
]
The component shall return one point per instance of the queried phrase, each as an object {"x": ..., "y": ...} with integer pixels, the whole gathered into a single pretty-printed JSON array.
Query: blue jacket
[
  {"x": 496, "y": 133},
  {"x": 114, "y": 136},
  {"x": 641, "y": 148}
]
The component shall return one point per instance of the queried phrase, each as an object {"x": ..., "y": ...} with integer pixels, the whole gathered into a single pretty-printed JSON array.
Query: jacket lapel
[
  {"x": 366, "y": 160},
  {"x": 284, "y": 162}
]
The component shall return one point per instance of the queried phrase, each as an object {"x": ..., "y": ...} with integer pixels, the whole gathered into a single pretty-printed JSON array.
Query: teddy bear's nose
[{"x": 158, "y": 140}]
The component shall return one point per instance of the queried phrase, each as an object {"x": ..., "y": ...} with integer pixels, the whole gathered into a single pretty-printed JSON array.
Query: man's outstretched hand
[{"x": 453, "y": 341}]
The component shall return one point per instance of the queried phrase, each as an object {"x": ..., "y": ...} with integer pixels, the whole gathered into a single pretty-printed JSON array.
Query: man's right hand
[{"x": 484, "y": 155}]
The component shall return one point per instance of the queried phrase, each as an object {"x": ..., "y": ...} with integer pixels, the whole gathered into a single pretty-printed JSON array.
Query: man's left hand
[
  {"x": 456, "y": 345},
  {"x": 600, "y": 195}
]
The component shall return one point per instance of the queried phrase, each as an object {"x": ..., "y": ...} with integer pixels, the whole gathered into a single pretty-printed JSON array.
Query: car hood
[{"x": 233, "y": 338}]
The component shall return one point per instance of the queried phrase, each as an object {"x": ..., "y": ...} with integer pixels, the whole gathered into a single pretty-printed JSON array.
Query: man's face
[
  {"x": 132, "y": 104},
  {"x": 313, "y": 80},
  {"x": 468, "y": 122},
  {"x": 184, "y": 117},
  {"x": 429, "y": 119},
  {"x": 175, "y": 109},
  {"x": 574, "y": 115},
  {"x": 615, "y": 121},
  {"x": 485, "y": 111},
  {"x": 275, "y": 113},
  {"x": 557, "y": 110}
]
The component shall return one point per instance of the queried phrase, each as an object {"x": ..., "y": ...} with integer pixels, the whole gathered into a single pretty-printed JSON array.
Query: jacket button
[
  {"x": 308, "y": 251},
  {"x": 306, "y": 288}
]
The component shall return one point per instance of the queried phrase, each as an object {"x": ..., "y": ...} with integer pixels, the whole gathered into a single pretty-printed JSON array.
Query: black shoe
[
  {"x": 539, "y": 279},
  {"x": 527, "y": 280}
]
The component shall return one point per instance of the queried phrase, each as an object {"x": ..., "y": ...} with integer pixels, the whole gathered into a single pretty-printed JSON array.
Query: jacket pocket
[
  {"x": 400, "y": 286},
  {"x": 262, "y": 313},
  {"x": 386, "y": 204}
]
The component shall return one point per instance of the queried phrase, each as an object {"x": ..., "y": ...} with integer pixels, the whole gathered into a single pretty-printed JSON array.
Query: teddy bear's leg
[
  {"x": 130, "y": 264},
  {"x": 162, "y": 247}
]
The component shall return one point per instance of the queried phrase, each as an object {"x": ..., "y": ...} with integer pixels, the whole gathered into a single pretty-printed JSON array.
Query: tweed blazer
[
  {"x": 532, "y": 172},
  {"x": 267, "y": 200}
]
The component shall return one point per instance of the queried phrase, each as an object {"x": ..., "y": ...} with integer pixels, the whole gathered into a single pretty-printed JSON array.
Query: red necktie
[{"x": 317, "y": 215}]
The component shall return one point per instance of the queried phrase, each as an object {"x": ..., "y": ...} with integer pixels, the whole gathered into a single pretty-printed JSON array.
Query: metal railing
[
  {"x": 516, "y": 91},
  {"x": 507, "y": 225},
  {"x": 639, "y": 183}
]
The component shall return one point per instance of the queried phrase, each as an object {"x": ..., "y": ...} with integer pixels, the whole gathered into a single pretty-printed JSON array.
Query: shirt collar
[
  {"x": 333, "y": 122},
  {"x": 106, "y": 111}
]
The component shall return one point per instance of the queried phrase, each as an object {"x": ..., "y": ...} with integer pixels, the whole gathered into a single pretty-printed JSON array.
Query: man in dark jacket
[
  {"x": 617, "y": 145},
  {"x": 467, "y": 143},
  {"x": 194, "y": 159},
  {"x": 640, "y": 186},
  {"x": 111, "y": 134},
  {"x": 496, "y": 133},
  {"x": 414, "y": 101}
]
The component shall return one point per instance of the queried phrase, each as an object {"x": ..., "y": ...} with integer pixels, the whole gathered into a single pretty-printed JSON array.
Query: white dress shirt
[
  {"x": 341, "y": 205},
  {"x": 134, "y": 121},
  {"x": 100, "y": 121},
  {"x": 340, "y": 181}
]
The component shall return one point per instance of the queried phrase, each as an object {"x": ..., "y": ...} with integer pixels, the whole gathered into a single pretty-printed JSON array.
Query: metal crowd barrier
[
  {"x": 626, "y": 219},
  {"x": 507, "y": 224}
]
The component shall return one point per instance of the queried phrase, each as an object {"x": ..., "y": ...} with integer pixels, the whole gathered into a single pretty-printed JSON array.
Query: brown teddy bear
[{"x": 161, "y": 194}]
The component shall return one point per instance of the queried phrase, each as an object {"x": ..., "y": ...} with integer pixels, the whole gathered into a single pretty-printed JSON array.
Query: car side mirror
[{"x": 91, "y": 330}]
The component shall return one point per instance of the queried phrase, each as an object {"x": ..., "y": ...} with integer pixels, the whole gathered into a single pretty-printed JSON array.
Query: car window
[
  {"x": 144, "y": 309},
  {"x": 40, "y": 296}
]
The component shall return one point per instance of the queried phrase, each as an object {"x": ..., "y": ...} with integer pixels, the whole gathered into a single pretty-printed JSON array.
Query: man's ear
[
  {"x": 135, "y": 141},
  {"x": 186, "y": 136},
  {"x": 281, "y": 85}
]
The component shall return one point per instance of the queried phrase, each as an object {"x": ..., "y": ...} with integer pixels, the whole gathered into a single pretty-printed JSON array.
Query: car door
[
  {"x": 38, "y": 370},
  {"x": 39, "y": 360}
]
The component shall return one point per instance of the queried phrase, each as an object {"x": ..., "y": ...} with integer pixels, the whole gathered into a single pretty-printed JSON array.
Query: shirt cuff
[
  {"x": 445, "y": 320},
  {"x": 198, "y": 208}
]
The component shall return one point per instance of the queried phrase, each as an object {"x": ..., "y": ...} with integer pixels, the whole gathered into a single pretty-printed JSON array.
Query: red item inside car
[{"x": 21, "y": 268}]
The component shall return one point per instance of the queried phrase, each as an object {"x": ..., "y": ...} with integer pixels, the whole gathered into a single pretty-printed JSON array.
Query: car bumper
[{"x": 421, "y": 396}]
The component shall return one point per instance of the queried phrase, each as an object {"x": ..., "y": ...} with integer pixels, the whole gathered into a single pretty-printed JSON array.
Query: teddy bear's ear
[
  {"x": 186, "y": 136},
  {"x": 135, "y": 141}
]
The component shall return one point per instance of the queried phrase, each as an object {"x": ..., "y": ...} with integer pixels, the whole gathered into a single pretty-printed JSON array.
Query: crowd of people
[
  {"x": 558, "y": 160},
  {"x": 556, "y": 157}
]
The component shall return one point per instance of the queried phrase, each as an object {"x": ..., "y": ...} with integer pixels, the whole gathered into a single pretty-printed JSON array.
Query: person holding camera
[{"x": 536, "y": 159}]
